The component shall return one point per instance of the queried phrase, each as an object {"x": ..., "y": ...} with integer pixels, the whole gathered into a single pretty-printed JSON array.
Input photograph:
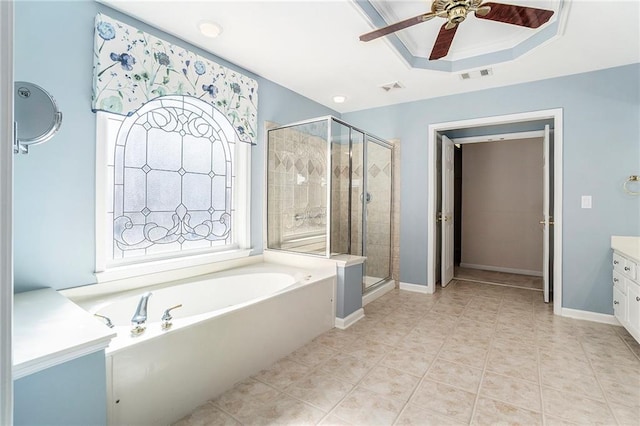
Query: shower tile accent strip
[{"x": 472, "y": 353}]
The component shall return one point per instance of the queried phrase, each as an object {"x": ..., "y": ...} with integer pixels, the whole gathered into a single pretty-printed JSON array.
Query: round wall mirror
[{"x": 36, "y": 115}]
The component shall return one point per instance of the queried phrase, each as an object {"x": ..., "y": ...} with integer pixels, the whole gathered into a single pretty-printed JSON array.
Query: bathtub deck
[{"x": 470, "y": 353}]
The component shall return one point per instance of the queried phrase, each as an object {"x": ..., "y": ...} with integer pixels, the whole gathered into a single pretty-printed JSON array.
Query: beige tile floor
[{"x": 470, "y": 354}]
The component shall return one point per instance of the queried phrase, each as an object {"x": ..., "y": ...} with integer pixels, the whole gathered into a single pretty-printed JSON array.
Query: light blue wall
[
  {"x": 72, "y": 393},
  {"x": 349, "y": 290},
  {"x": 601, "y": 147},
  {"x": 54, "y": 184}
]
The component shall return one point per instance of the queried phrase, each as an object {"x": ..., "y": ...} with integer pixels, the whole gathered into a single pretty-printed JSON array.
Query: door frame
[
  {"x": 6, "y": 211},
  {"x": 554, "y": 114}
]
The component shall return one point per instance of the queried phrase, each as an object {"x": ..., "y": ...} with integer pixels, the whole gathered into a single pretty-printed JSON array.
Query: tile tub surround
[{"x": 470, "y": 354}]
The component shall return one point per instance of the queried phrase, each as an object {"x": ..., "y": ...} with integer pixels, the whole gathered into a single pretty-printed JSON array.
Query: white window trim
[{"x": 187, "y": 264}]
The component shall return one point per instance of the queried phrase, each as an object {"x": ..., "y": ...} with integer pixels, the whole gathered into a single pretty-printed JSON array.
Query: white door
[
  {"x": 546, "y": 218},
  {"x": 447, "y": 211}
]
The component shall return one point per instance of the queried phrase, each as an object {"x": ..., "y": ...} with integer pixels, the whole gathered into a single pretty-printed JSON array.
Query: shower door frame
[{"x": 388, "y": 145}]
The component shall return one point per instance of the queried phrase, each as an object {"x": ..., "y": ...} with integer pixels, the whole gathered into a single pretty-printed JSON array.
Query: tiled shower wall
[
  {"x": 378, "y": 247},
  {"x": 296, "y": 200},
  {"x": 340, "y": 198}
]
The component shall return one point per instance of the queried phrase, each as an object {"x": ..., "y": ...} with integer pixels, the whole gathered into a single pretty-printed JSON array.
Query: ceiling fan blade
[
  {"x": 396, "y": 27},
  {"x": 517, "y": 15},
  {"x": 443, "y": 42}
]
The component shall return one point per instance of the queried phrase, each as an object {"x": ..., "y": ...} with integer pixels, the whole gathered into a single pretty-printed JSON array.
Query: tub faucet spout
[{"x": 140, "y": 316}]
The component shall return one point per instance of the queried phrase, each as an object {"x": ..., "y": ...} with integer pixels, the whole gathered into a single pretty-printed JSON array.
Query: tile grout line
[
  {"x": 484, "y": 368},
  {"x": 539, "y": 366},
  {"x": 333, "y": 409},
  {"x": 604, "y": 394}
]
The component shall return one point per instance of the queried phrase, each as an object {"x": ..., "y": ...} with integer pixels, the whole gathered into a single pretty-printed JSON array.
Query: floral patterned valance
[{"x": 132, "y": 67}]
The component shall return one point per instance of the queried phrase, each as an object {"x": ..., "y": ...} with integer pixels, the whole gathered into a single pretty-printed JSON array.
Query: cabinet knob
[
  {"x": 615, "y": 302},
  {"x": 637, "y": 298},
  {"x": 615, "y": 262},
  {"x": 626, "y": 268},
  {"x": 615, "y": 280}
]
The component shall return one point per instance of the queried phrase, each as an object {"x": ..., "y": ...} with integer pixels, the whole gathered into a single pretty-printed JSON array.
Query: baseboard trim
[
  {"x": 416, "y": 288},
  {"x": 378, "y": 292},
  {"x": 501, "y": 269},
  {"x": 589, "y": 316},
  {"x": 352, "y": 318}
]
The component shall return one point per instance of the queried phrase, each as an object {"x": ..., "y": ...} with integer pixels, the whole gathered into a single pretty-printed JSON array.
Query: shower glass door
[{"x": 376, "y": 199}]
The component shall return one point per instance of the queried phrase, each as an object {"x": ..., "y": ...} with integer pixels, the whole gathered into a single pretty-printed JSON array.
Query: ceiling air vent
[
  {"x": 476, "y": 74},
  {"x": 392, "y": 86}
]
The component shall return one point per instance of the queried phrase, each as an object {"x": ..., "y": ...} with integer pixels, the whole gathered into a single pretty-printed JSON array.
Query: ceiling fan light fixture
[{"x": 209, "y": 29}]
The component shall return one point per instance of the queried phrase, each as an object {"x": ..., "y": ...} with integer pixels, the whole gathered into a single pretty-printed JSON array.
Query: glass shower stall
[{"x": 329, "y": 192}]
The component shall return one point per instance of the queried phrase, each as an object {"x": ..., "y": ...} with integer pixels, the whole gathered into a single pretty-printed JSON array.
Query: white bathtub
[{"x": 232, "y": 324}]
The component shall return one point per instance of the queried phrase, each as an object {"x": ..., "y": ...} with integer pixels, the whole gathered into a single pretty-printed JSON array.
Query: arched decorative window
[{"x": 170, "y": 177}]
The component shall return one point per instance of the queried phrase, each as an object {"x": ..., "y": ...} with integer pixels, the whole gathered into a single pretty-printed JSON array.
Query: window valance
[{"x": 132, "y": 67}]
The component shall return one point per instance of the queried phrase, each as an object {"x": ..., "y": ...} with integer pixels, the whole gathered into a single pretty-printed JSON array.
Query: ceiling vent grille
[
  {"x": 392, "y": 86},
  {"x": 476, "y": 74}
]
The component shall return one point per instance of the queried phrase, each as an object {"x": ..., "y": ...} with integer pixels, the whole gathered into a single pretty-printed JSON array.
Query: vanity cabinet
[{"x": 626, "y": 292}]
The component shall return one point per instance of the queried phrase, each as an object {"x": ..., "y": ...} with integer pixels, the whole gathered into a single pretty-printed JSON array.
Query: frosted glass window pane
[
  {"x": 119, "y": 160},
  {"x": 218, "y": 192},
  {"x": 196, "y": 191},
  {"x": 163, "y": 248},
  {"x": 163, "y": 190},
  {"x": 164, "y": 219},
  {"x": 118, "y": 200},
  {"x": 136, "y": 147},
  {"x": 164, "y": 150},
  {"x": 134, "y": 190},
  {"x": 196, "y": 154},
  {"x": 190, "y": 245},
  {"x": 219, "y": 159}
]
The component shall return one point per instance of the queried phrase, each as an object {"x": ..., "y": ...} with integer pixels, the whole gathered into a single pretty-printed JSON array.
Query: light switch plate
[{"x": 586, "y": 202}]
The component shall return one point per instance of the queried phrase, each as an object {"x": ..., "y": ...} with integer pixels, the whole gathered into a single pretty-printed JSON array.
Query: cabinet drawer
[
  {"x": 620, "y": 305},
  {"x": 618, "y": 263},
  {"x": 630, "y": 269},
  {"x": 619, "y": 281}
]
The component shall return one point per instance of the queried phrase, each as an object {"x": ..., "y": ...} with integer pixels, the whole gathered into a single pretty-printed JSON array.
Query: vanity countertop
[
  {"x": 49, "y": 329},
  {"x": 629, "y": 246}
]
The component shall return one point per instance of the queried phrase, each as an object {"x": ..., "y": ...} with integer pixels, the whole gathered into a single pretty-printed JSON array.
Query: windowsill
[{"x": 115, "y": 273}]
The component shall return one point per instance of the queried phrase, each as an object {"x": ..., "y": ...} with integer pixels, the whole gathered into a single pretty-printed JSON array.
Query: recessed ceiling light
[
  {"x": 209, "y": 29},
  {"x": 339, "y": 99}
]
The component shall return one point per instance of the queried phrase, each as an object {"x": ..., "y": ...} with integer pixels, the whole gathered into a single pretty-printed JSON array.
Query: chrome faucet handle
[
  {"x": 108, "y": 322},
  {"x": 166, "y": 317}
]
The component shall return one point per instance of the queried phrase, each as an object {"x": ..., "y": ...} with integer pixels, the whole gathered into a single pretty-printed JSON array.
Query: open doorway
[
  {"x": 527, "y": 125},
  {"x": 498, "y": 200}
]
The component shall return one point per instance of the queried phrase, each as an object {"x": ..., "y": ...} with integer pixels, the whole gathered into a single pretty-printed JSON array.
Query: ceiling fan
[{"x": 455, "y": 11}]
